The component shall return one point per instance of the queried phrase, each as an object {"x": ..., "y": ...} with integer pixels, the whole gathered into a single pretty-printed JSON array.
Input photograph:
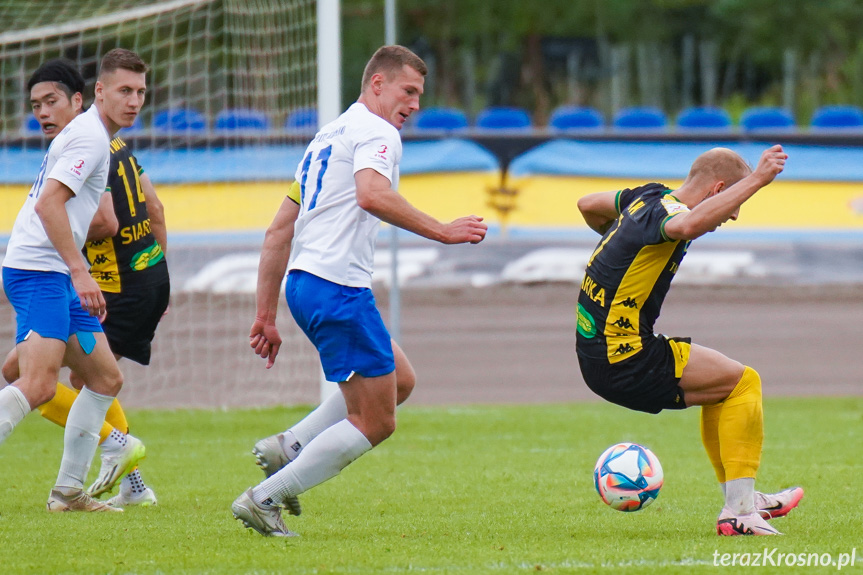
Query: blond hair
[{"x": 719, "y": 164}]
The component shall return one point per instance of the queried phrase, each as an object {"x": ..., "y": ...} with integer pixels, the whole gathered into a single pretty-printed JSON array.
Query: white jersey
[
  {"x": 333, "y": 237},
  {"x": 78, "y": 157}
]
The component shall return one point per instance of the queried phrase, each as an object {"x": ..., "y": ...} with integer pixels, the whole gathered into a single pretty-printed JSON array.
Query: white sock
[
  {"x": 133, "y": 484},
  {"x": 331, "y": 411},
  {"x": 740, "y": 495},
  {"x": 82, "y": 437},
  {"x": 115, "y": 441},
  {"x": 322, "y": 459},
  {"x": 13, "y": 408}
]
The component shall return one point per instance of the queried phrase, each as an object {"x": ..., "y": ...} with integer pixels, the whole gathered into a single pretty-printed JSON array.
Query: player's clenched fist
[
  {"x": 469, "y": 229},
  {"x": 772, "y": 163}
]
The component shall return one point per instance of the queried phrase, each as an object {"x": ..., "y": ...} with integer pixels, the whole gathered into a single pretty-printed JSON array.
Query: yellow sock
[
  {"x": 741, "y": 427},
  {"x": 710, "y": 437},
  {"x": 57, "y": 410},
  {"x": 116, "y": 417}
]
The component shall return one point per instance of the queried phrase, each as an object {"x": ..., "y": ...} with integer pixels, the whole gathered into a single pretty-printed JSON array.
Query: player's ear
[
  {"x": 98, "y": 89},
  {"x": 377, "y": 83},
  {"x": 77, "y": 101}
]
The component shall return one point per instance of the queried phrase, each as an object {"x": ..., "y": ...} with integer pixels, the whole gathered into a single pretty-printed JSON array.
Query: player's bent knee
[
  {"x": 749, "y": 383},
  {"x": 76, "y": 381},
  {"x": 107, "y": 384},
  {"x": 387, "y": 428},
  {"x": 405, "y": 385},
  {"x": 10, "y": 368},
  {"x": 380, "y": 430},
  {"x": 42, "y": 391}
]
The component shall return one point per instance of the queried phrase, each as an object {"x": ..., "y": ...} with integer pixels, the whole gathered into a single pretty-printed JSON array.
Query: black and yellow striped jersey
[
  {"x": 133, "y": 258},
  {"x": 628, "y": 275}
]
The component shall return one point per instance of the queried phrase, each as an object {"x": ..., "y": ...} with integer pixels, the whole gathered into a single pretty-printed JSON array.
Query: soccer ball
[{"x": 628, "y": 476}]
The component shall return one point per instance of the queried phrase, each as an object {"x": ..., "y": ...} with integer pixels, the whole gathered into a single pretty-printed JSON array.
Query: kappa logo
[
  {"x": 623, "y": 323},
  {"x": 629, "y": 302},
  {"x": 623, "y": 348}
]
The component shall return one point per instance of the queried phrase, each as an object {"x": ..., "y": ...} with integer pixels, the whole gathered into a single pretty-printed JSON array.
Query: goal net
[{"x": 231, "y": 101}]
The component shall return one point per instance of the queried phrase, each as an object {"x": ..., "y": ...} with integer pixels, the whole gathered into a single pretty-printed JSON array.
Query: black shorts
[
  {"x": 647, "y": 381},
  {"x": 132, "y": 319}
]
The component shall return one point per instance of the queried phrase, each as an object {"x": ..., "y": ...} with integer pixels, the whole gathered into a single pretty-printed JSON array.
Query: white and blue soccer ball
[{"x": 628, "y": 476}]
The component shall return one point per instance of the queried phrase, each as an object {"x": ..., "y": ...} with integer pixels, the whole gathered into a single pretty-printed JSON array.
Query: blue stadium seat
[
  {"x": 704, "y": 118},
  {"x": 640, "y": 118},
  {"x": 239, "y": 119},
  {"x": 838, "y": 118},
  {"x": 576, "y": 118},
  {"x": 767, "y": 118},
  {"x": 447, "y": 119},
  {"x": 503, "y": 118},
  {"x": 137, "y": 126},
  {"x": 302, "y": 120},
  {"x": 179, "y": 120},
  {"x": 32, "y": 125}
]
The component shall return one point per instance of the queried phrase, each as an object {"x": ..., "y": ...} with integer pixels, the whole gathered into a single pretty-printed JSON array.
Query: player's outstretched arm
[
  {"x": 51, "y": 209},
  {"x": 599, "y": 210},
  {"x": 105, "y": 223},
  {"x": 156, "y": 211},
  {"x": 264, "y": 337},
  {"x": 376, "y": 196},
  {"x": 718, "y": 209}
]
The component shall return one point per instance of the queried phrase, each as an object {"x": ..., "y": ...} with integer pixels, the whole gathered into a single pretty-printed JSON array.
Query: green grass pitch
[{"x": 473, "y": 489}]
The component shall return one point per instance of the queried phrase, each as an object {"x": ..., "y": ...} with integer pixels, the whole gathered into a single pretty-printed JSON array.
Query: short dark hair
[
  {"x": 122, "y": 59},
  {"x": 60, "y": 71},
  {"x": 391, "y": 59}
]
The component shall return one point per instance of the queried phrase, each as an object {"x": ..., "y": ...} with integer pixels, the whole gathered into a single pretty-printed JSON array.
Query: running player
[
  {"x": 345, "y": 185},
  {"x": 57, "y": 303},
  {"x": 125, "y": 250},
  {"x": 646, "y": 232}
]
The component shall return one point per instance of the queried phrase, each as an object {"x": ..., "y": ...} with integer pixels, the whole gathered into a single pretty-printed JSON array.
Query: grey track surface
[
  {"x": 504, "y": 343},
  {"x": 514, "y": 344}
]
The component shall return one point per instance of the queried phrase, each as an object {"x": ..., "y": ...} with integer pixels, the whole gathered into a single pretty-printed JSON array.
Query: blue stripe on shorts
[
  {"x": 344, "y": 325},
  {"x": 46, "y": 303}
]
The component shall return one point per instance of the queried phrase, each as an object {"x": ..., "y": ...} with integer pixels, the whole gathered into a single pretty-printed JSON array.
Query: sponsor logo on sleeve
[
  {"x": 76, "y": 167},
  {"x": 586, "y": 325},
  {"x": 673, "y": 207},
  {"x": 381, "y": 152}
]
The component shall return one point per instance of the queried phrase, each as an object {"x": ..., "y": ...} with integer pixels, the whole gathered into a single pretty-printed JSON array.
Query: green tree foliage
[{"x": 753, "y": 39}]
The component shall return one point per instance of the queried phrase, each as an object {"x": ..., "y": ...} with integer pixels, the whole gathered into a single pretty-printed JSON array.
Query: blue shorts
[
  {"x": 46, "y": 303},
  {"x": 344, "y": 325}
]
